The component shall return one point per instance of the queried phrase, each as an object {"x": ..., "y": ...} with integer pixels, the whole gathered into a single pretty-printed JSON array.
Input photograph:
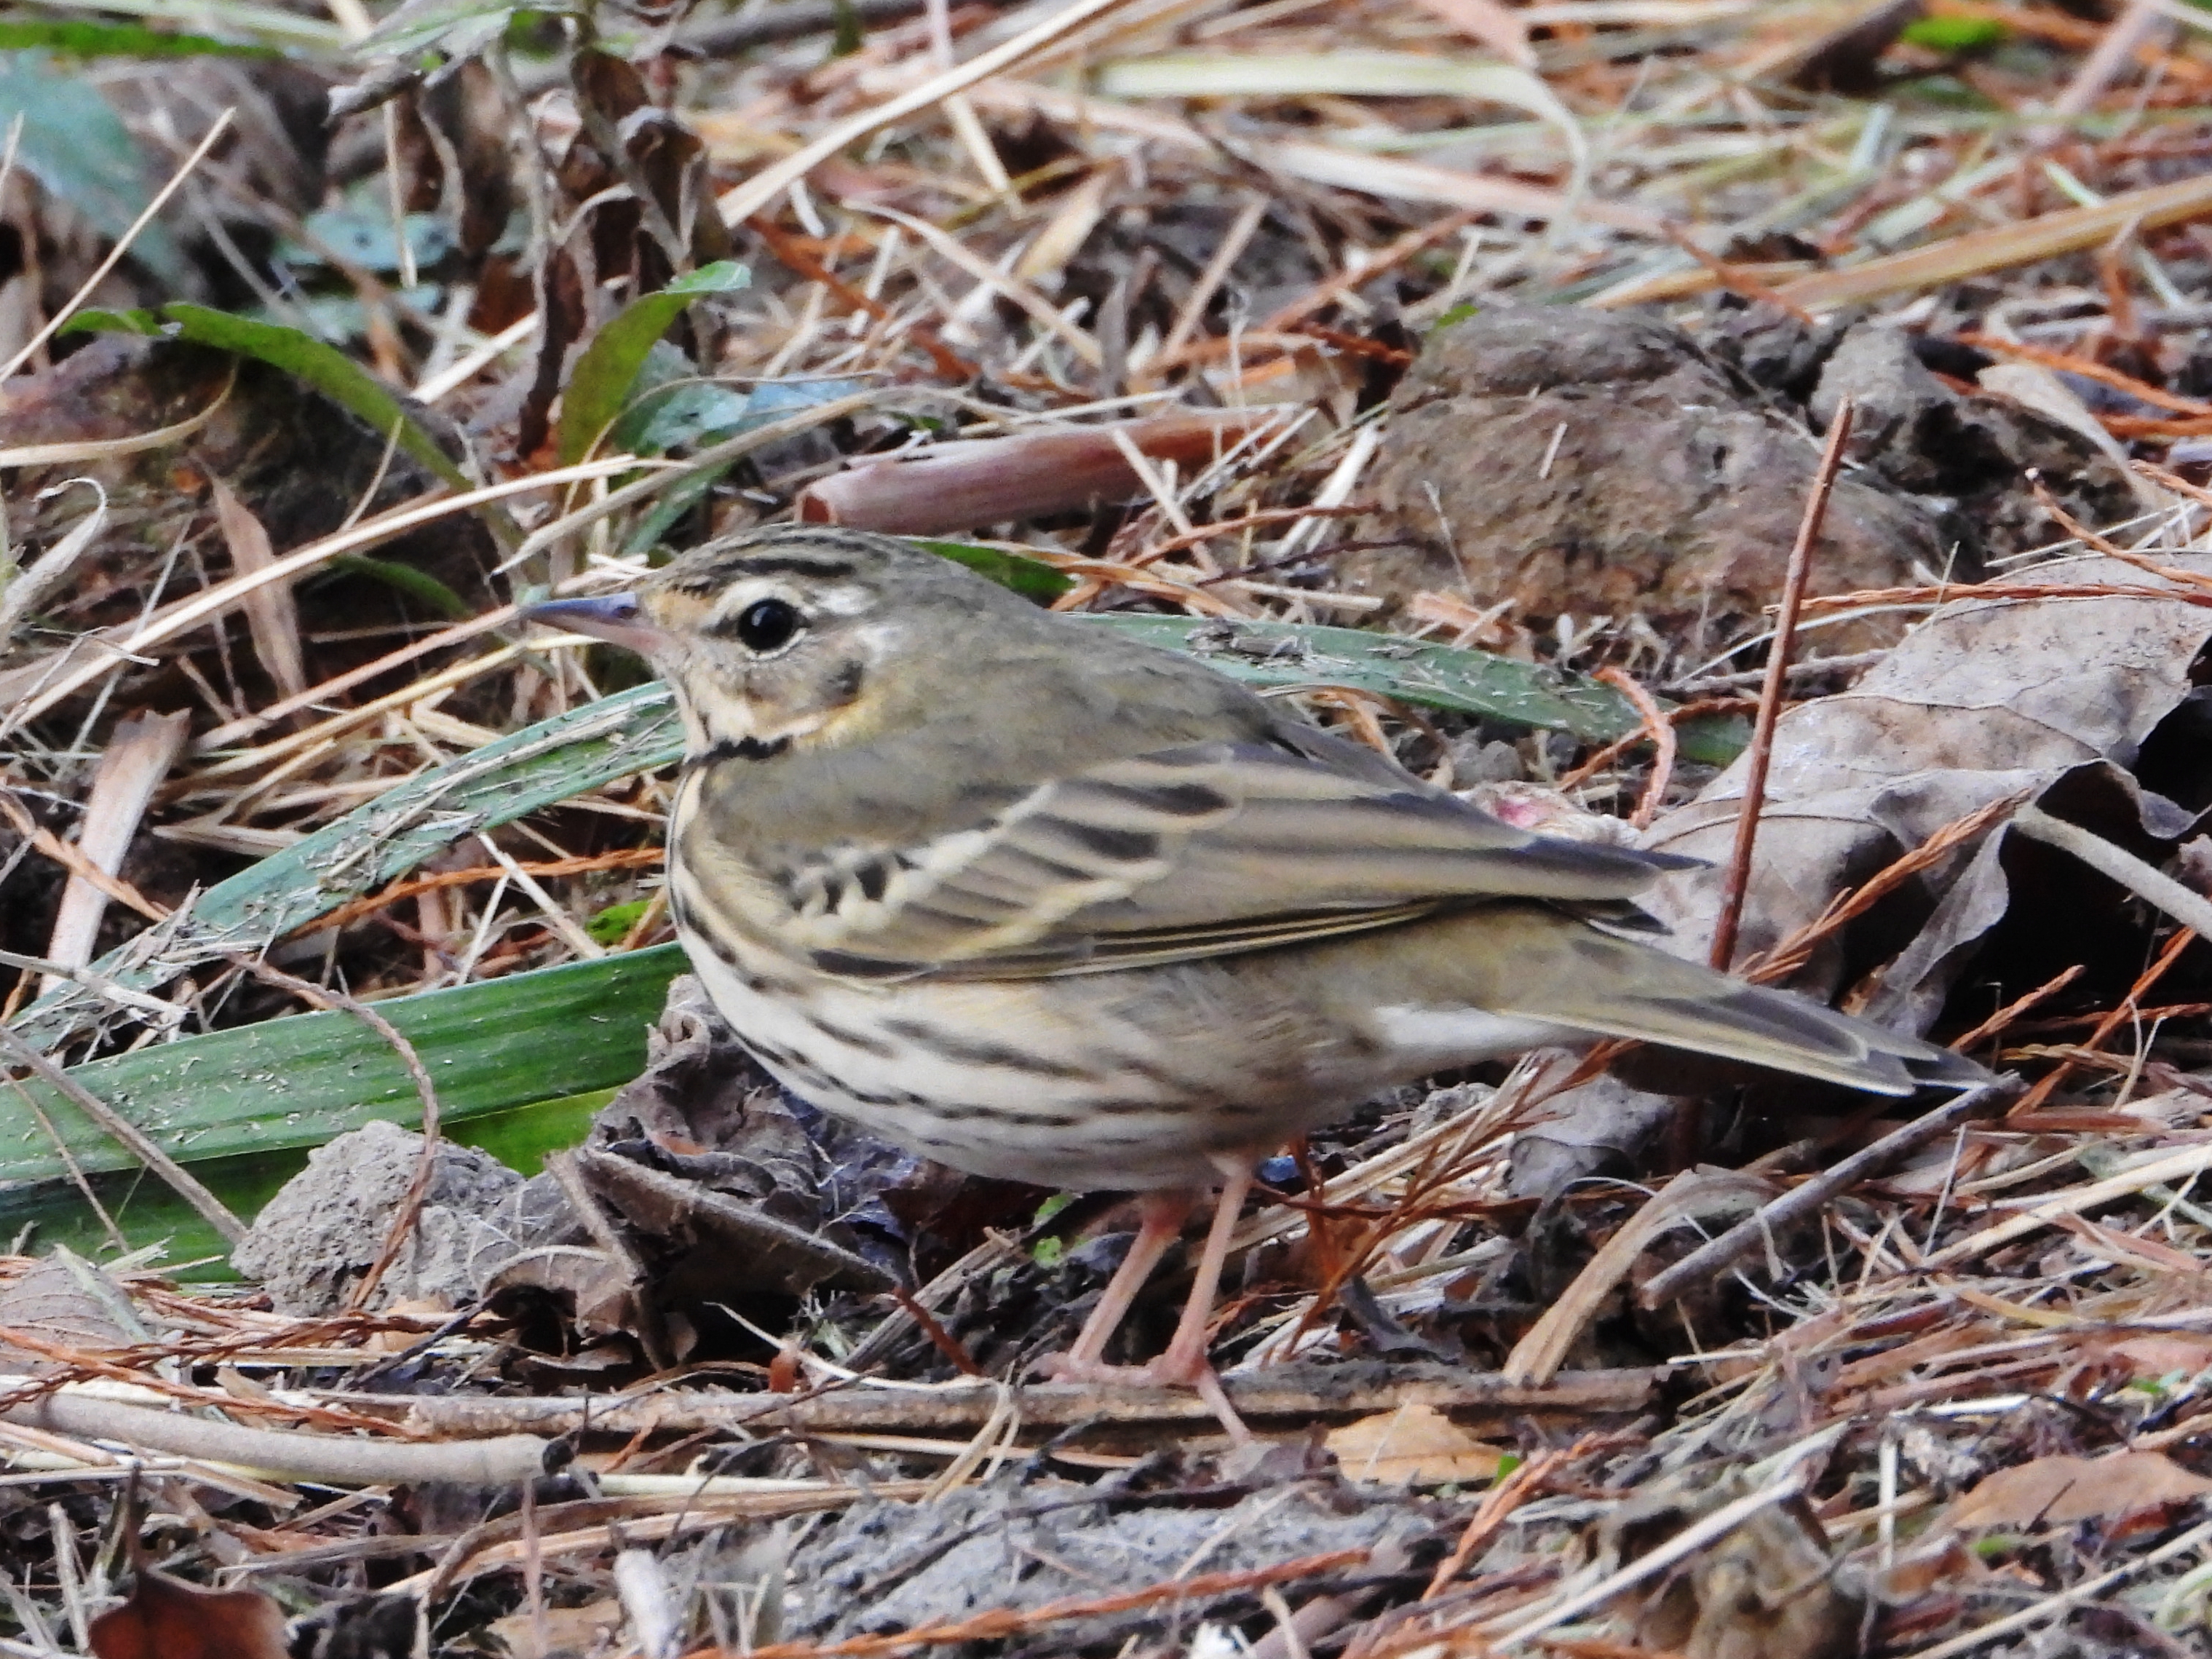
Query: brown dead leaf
[
  {"x": 587, "y": 1629},
  {"x": 2166, "y": 1352},
  {"x": 168, "y": 1618},
  {"x": 2056, "y": 1490},
  {"x": 1414, "y": 1443},
  {"x": 272, "y": 616}
]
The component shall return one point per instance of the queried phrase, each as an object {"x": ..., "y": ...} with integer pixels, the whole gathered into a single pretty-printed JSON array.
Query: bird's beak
[{"x": 614, "y": 617}]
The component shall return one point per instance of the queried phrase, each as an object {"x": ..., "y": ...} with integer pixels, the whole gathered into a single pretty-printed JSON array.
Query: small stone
[{"x": 313, "y": 1242}]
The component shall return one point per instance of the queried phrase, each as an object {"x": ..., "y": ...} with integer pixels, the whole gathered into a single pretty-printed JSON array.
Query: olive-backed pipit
[{"x": 1040, "y": 902}]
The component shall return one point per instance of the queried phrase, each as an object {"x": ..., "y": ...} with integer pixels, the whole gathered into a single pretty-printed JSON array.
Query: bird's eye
[{"x": 766, "y": 625}]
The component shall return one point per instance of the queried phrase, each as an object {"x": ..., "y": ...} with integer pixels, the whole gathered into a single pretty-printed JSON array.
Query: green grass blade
[
  {"x": 490, "y": 1048},
  {"x": 540, "y": 766},
  {"x": 147, "y": 1212},
  {"x": 323, "y": 366},
  {"x": 1465, "y": 682},
  {"x": 84, "y": 38}
]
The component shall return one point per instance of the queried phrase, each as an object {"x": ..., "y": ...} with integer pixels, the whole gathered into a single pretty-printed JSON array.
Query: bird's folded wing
[{"x": 1206, "y": 850}]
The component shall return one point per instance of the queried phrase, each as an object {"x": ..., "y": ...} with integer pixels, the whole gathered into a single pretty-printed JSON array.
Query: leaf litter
[{"x": 1443, "y": 366}]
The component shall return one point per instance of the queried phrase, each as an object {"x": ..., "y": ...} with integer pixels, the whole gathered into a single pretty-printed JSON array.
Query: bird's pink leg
[
  {"x": 1184, "y": 1364},
  {"x": 1162, "y": 1218},
  {"x": 1185, "y": 1360}
]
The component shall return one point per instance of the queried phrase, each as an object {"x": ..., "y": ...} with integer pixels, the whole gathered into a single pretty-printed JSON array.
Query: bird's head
[{"x": 801, "y": 637}]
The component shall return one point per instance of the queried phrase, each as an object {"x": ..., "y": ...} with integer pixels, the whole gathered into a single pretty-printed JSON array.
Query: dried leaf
[
  {"x": 2164, "y": 1352},
  {"x": 168, "y": 1618},
  {"x": 2058, "y": 1490},
  {"x": 1415, "y": 1443},
  {"x": 270, "y": 612},
  {"x": 137, "y": 756}
]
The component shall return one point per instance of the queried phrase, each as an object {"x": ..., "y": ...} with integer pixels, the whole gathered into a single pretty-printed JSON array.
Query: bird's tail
[{"x": 1573, "y": 974}]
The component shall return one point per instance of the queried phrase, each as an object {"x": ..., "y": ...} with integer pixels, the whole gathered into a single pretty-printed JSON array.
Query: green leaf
[
  {"x": 324, "y": 367},
  {"x": 360, "y": 232},
  {"x": 1431, "y": 676},
  {"x": 418, "y": 585},
  {"x": 612, "y": 925},
  {"x": 83, "y": 39},
  {"x": 1031, "y": 578},
  {"x": 680, "y": 410},
  {"x": 78, "y": 150},
  {"x": 1954, "y": 34},
  {"x": 298, "y": 1081},
  {"x": 600, "y": 383}
]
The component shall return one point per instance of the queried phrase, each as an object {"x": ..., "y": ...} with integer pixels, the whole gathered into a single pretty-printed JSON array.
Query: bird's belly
[{"x": 1043, "y": 1081}]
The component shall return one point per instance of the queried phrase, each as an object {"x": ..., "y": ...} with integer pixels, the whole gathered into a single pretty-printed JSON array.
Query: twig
[
  {"x": 185, "y": 1186},
  {"x": 1708, "y": 1260},
  {"x": 1294, "y": 1392},
  {"x": 347, "y": 1460},
  {"x": 2074, "y": 1596},
  {"x": 1660, "y": 730},
  {"x": 1761, "y": 753}
]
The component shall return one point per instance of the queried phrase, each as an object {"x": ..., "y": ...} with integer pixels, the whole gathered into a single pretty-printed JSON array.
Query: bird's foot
[{"x": 1170, "y": 1370}]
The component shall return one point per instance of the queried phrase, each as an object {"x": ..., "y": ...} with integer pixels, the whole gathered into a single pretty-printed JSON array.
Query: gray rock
[
  {"x": 310, "y": 1246},
  {"x": 884, "y": 1567}
]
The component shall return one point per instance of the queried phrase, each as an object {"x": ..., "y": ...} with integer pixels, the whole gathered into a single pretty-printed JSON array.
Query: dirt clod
[
  {"x": 1585, "y": 462},
  {"x": 318, "y": 1236},
  {"x": 886, "y": 1567},
  {"x": 1966, "y": 456}
]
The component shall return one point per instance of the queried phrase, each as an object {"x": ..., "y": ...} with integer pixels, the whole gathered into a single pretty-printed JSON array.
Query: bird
[{"x": 1040, "y": 902}]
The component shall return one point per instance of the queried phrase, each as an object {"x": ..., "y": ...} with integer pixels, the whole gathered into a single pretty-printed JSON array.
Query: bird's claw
[{"x": 1169, "y": 1370}]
